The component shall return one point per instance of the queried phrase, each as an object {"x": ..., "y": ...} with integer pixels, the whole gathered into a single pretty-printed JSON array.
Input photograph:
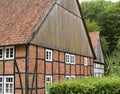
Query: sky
[{"x": 106, "y": 0}]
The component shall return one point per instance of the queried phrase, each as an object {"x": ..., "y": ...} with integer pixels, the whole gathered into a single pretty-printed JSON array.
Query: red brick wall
[
  {"x": 38, "y": 68},
  {"x": 58, "y": 69}
]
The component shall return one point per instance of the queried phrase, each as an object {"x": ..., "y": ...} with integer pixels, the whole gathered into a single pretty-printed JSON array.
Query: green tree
[
  {"x": 113, "y": 65},
  {"x": 93, "y": 9},
  {"x": 118, "y": 46},
  {"x": 92, "y": 25},
  {"x": 110, "y": 24},
  {"x": 106, "y": 15}
]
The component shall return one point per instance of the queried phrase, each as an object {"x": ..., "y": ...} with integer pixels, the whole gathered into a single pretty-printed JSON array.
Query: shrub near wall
[{"x": 110, "y": 85}]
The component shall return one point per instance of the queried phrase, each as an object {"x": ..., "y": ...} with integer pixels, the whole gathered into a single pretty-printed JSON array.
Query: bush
[{"x": 110, "y": 85}]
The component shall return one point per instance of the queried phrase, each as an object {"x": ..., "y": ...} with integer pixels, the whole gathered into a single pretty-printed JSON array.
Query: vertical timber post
[{"x": 27, "y": 70}]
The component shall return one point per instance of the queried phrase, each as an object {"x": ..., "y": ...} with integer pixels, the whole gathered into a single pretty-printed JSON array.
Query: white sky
[{"x": 106, "y": 0}]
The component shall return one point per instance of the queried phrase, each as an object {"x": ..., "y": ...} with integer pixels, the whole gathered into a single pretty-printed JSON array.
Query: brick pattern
[{"x": 38, "y": 68}]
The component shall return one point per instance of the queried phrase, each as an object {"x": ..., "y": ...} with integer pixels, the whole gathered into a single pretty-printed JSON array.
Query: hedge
[{"x": 109, "y": 85}]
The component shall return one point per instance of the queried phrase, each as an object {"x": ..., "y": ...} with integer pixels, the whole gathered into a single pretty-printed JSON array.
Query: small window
[
  {"x": 48, "y": 55},
  {"x": 67, "y": 58},
  {"x": 72, "y": 57},
  {"x": 67, "y": 77},
  {"x": 48, "y": 81},
  {"x": 85, "y": 61},
  {"x": 73, "y": 77},
  {"x": 9, "y": 85},
  {"x": 9, "y": 52},
  {"x": 1, "y": 53},
  {"x": 70, "y": 77}
]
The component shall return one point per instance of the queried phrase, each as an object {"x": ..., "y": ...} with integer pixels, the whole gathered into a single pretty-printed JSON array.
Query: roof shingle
[
  {"x": 94, "y": 38},
  {"x": 18, "y": 19}
]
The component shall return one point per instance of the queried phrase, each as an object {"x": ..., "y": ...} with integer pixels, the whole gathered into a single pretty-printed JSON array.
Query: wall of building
[
  {"x": 30, "y": 68},
  {"x": 57, "y": 68}
]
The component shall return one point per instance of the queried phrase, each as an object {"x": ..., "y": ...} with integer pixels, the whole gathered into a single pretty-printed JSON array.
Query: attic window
[
  {"x": 1, "y": 53},
  {"x": 9, "y": 52}
]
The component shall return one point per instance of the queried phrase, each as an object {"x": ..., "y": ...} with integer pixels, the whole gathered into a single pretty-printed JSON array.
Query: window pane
[
  {"x": 11, "y": 52},
  {"x": 7, "y": 79},
  {"x": 11, "y": 86},
  {"x": 7, "y": 88},
  {"x": 7, "y": 53},
  {"x": 0, "y": 79},
  {"x": 0, "y": 88},
  {"x": 47, "y": 55},
  {"x": 1, "y": 53}
]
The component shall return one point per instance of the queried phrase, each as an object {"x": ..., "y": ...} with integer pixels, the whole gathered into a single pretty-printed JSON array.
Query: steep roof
[
  {"x": 18, "y": 19},
  {"x": 22, "y": 21},
  {"x": 94, "y": 38},
  {"x": 96, "y": 43}
]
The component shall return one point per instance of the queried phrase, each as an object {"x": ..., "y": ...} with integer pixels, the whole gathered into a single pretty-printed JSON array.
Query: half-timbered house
[
  {"x": 99, "y": 62},
  {"x": 42, "y": 41}
]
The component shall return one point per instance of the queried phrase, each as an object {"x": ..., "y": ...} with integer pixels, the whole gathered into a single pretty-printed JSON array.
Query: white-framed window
[
  {"x": 72, "y": 59},
  {"x": 85, "y": 61},
  {"x": 69, "y": 58},
  {"x": 48, "y": 81},
  {"x": 9, "y": 52},
  {"x": 48, "y": 55},
  {"x": 7, "y": 84},
  {"x": 70, "y": 77},
  {"x": 67, "y": 77},
  {"x": 1, "y": 53}
]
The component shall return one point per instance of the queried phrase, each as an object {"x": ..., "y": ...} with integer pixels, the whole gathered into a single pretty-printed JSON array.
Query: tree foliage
[
  {"x": 92, "y": 25},
  {"x": 110, "y": 25},
  {"x": 107, "y": 16}
]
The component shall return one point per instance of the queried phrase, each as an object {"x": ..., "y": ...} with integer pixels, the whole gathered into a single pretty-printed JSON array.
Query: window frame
[
  {"x": 2, "y": 53},
  {"x": 67, "y": 77},
  {"x": 47, "y": 82},
  {"x": 85, "y": 61},
  {"x": 67, "y": 57},
  {"x": 4, "y": 82},
  {"x": 72, "y": 59},
  {"x": 9, "y": 83},
  {"x": 50, "y": 58},
  {"x": 70, "y": 77},
  {"x": 9, "y": 47}
]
